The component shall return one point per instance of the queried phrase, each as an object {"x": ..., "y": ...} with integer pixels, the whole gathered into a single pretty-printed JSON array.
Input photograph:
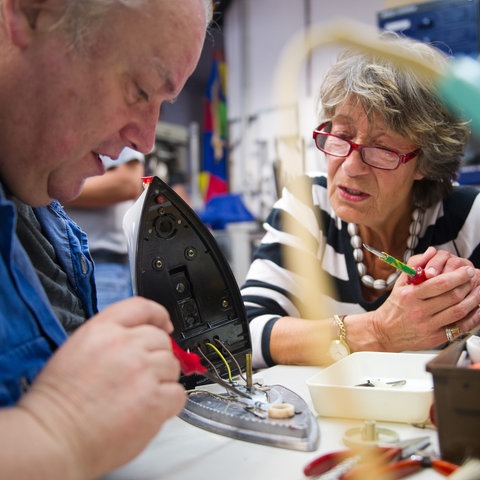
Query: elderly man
[{"x": 80, "y": 79}]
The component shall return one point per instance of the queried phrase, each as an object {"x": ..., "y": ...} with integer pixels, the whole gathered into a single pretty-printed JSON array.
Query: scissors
[
  {"x": 376, "y": 462},
  {"x": 190, "y": 363},
  {"x": 415, "y": 275}
]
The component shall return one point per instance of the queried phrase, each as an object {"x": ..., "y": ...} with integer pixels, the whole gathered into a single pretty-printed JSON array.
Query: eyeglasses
[{"x": 377, "y": 157}]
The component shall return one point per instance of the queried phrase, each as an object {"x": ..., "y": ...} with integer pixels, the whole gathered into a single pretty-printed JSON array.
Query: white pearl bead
[
  {"x": 356, "y": 241},
  {"x": 412, "y": 242},
  {"x": 352, "y": 229},
  {"x": 368, "y": 280},
  {"x": 362, "y": 269},
  {"x": 379, "y": 284},
  {"x": 392, "y": 278},
  {"x": 414, "y": 228},
  {"x": 358, "y": 255}
]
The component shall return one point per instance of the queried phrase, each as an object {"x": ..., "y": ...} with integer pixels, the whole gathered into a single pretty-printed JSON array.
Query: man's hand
[{"x": 110, "y": 387}]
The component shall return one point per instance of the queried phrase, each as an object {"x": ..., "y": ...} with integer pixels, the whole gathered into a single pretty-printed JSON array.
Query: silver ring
[{"x": 452, "y": 333}]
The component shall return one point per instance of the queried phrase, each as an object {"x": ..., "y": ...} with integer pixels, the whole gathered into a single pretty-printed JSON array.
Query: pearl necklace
[{"x": 356, "y": 243}]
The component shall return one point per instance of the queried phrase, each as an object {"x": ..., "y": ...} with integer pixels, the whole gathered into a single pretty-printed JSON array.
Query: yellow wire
[
  {"x": 219, "y": 353},
  {"x": 232, "y": 356}
]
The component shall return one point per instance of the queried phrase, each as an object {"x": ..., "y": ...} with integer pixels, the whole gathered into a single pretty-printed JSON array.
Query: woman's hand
[{"x": 415, "y": 317}]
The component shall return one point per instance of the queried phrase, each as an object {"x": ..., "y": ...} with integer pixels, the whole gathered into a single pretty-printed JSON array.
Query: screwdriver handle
[{"x": 419, "y": 277}]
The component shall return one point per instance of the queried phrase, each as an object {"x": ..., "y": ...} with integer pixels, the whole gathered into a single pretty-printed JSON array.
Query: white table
[{"x": 182, "y": 451}]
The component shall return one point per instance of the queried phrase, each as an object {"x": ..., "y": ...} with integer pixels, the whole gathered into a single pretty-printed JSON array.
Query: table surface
[{"x": 181, "y": 451}]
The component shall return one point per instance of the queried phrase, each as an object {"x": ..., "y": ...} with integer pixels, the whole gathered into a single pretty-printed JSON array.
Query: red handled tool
[
  {"x": 377, "y": 462},
  {"x": 350, "y": 464},
  {"x": 190, "y": 364},
  {"x": 415, "y": 463}
]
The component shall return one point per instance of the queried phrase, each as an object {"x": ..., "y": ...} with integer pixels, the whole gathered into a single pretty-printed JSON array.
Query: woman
[{"x": 392, "y": 152}]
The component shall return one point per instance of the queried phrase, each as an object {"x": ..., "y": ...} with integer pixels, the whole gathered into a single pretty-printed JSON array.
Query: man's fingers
[{"x": 138, "y": 311}]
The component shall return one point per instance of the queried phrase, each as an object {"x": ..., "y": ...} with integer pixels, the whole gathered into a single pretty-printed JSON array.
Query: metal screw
[
  {"x": 225, "y": 303},
  {"x": 158, "y": 264}
]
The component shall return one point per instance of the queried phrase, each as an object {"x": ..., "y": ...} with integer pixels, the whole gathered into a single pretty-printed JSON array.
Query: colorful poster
[{"x": 214, "y": 171}]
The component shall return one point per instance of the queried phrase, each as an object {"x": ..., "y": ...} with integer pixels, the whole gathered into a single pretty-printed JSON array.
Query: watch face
[{"x": 338, "y": 350}]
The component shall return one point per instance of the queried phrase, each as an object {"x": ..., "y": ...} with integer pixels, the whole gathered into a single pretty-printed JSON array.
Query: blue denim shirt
[
  {"x": 29, "y": 330},
  {"x": 71, "y": 246}
]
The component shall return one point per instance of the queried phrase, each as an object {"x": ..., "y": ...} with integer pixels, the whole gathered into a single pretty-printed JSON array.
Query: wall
[
  {"x": 262, "y": 129},
  {"x": 254, "y": 34}
]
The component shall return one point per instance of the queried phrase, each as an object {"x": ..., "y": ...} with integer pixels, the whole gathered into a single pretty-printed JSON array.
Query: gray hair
[
  {"x": 409, "y": 105},
  {"x": 80, "y": 17}
]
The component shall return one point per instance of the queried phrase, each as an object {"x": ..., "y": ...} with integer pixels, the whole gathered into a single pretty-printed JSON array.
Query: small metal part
[
  {"x": 249, "y": 370},
  {"x": 256, "y": 411},
  {"x": 180, "y": 287},
  {"x": 368, "y": 383},
  {"x": 225, "y": 303},
  {"x": 158, "y": 263},
  {"x": 378, "y": 253},
  {"x": 397, "y": 383},
  {"x": 380, "y": 383},
  {"x": 216, "y": 379}
]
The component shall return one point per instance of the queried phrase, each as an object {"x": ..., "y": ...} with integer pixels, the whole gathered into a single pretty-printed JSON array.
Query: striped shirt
[{"x": 272, "y": 290}]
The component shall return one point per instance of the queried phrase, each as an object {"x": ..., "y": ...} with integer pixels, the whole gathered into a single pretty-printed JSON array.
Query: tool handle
[
  {"x": 400, "y": 469},
  {"x": 373, "y": 460},
  {"x": 419, "y": 277},
  {"x": 444, "y": 467},
  {"x": 404, "y": 468},
  {"x": 326, "y": 462},
  {"x": 189, "y": 362}
]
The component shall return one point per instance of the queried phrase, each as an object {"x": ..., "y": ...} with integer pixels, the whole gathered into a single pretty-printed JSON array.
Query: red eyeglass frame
[{"x": 402, "y": 157}]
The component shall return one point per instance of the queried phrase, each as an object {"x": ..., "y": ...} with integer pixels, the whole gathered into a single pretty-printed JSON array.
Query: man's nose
[{"x": 140, "y": 132}]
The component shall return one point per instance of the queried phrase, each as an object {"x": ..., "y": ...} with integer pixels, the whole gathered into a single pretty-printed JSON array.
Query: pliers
[
  {"x": 376, "y": 462},
  {"x": 406, "y": 467},
  {"x": 190, "y": 364}
]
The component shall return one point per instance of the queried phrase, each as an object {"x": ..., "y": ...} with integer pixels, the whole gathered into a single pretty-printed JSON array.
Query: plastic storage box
[
  {"x": 457, "y": 403},
  {"x": 403, "y": 390}
]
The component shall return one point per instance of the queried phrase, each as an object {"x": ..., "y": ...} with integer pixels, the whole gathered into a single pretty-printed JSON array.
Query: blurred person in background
[{"x": 99, "y": 212}]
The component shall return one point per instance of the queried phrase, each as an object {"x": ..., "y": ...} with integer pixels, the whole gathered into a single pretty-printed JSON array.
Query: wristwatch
[{"x": 339, "y": 348}]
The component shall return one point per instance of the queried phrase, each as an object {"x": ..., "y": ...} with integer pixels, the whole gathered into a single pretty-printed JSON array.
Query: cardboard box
[{"x": 457, "y": 403}]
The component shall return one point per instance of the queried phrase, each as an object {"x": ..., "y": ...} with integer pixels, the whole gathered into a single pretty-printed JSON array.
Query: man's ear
[{"x": 19, "y": 18}]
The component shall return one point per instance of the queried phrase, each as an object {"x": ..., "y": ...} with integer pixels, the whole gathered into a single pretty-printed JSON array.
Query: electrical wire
[
  {"x": 200, "y": 351},
  {"x": 232, "y": 357},
  {"x": 219, "y": 353},
  {"x": 223, "y": 398}
]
